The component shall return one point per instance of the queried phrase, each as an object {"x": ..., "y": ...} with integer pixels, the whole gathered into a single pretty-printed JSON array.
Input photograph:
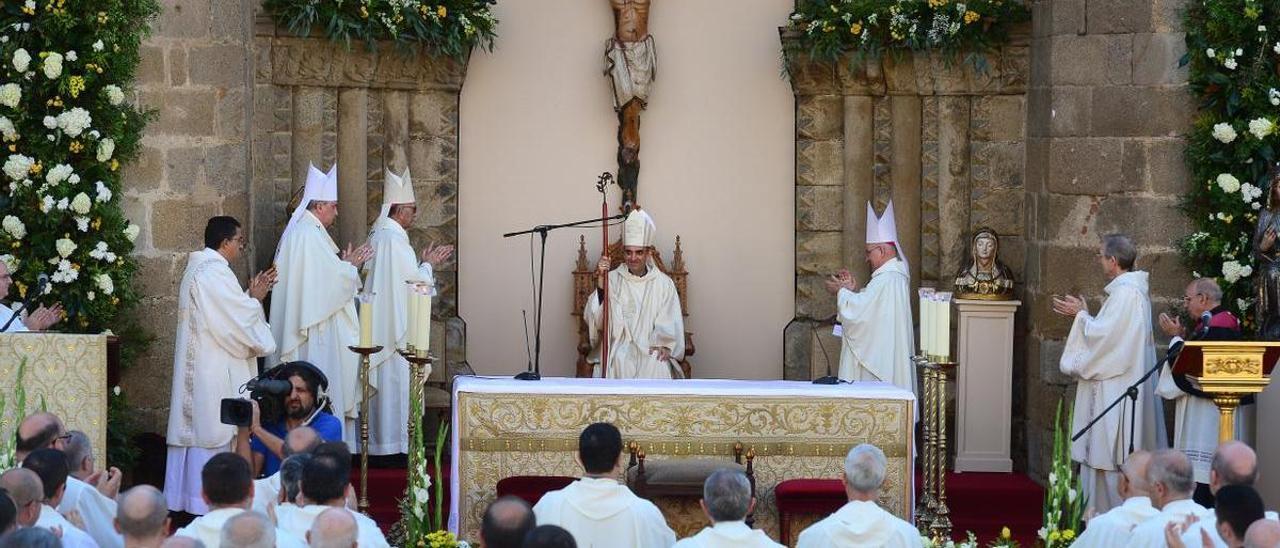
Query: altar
[{"x": 504, "y": 427}]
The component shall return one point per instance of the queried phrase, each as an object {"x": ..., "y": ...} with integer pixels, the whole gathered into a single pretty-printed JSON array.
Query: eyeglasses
[
  {"x": 1187, "y": 298},
  {"x": 63, "y": 438}
]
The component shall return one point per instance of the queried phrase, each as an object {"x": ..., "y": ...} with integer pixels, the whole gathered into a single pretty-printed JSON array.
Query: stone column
[{"x": 353, "y": 139}]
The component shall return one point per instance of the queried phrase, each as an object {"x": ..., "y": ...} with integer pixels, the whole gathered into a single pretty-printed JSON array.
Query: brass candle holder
[
  {"x": 933, "y": 518},
  {"x": 926, "y": 505},
  {"x": 941, "y": 525},
  {"x": 367, "y": 392},
  {"x": 420, "y": 364}
]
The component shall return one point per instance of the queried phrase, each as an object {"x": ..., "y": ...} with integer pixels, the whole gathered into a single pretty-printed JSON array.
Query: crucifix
[{"x": 630, "y": 63}]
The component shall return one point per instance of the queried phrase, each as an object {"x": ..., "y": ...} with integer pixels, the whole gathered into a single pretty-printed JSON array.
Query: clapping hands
[
  {"x": 357, "y": 256},
  {"x": 43, "y": 318},
  {"x": 1069, "y": 305},
  {"x": 841, "y": 280},
  {"x": 436, "y": 255},
  {"x": 262, "y": 283}
]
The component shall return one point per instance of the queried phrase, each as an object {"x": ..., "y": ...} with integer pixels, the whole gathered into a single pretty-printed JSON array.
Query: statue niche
[{"x": 985, "y": 278}]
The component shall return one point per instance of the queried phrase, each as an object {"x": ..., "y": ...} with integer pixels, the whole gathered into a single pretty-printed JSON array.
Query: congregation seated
[
  {"x": 1114, "y": 527},
  {"x": 266, "y": 491},
  {"x": 334, "y": 528},
  {"x": 94, "y": 501},
  {"x": 1233, "y": 463},
  {"x": 326, "y": 483},
  {"x": 596, "y": 509},
  {"x": 248, "y": 529},
  {"x": 1236, "y": 507},
  {"x": 549, "y": 536},
  {"x": 506, "y": 522},
  {"x": 142, "y": 517},
  {"x": 51, "y": 466},
  {"x": 727, "y": 500},
  {"x": 861, "y": 521},
  {"x": 1172, "y": 482},
  {"x": 227, "y": 489}
]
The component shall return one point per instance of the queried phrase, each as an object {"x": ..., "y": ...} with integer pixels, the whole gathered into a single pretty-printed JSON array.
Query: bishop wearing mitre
[
  {"x": 313, "y": 313},
  {"x": 394, "y": 264},
  {"x": 646, "y": 326},
  {"x": 877, "y": 342}
]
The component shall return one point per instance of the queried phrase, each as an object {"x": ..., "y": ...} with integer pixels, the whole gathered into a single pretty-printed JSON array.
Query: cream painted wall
[{"x": 717, "y": 168}]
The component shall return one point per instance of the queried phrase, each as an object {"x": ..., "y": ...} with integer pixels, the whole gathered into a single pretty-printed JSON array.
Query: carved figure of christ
[{"x": 630, "y": 62}]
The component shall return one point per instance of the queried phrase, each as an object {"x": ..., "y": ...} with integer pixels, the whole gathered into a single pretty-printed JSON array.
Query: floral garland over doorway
[{"x": 445, "y": 27}]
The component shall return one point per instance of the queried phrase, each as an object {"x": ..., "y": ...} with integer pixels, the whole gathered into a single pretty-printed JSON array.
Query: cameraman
[{"x": 304, "y": 406}]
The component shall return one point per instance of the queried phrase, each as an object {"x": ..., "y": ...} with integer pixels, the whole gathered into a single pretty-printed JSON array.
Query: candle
[
  {"x": 926, "y": 320},
  {"x": 944, "y": 325},
  {"x": 424, "y": 324},
  {"x": 412, "y": 314},
  {"x": 366, "y": 322}
]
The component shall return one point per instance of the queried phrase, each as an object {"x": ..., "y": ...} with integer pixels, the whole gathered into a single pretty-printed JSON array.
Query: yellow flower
[
  {"x": 1054, "y": 536},
  {"x": 1004, "y": 533},
  {"x": 13, "y": 148},
  {"x": 937, "y": 3},
  {"x": 856, "y": 28},
  {"x": 970, "y": 16},
  {"x": 115, "y": 300},
  {"x": 1068, "y": 534},
  {"x": 364, "y": 12},
  {"x": 75, "y": 147},
  {"x": 115, "y": 164},
  {"x": 97, "y": 223},
  {"x": 37, "y": 168},
  {"x": 22, "y": 288},
  {"x": 442, "y": 11},
  {"x": 828, "y": 27}
]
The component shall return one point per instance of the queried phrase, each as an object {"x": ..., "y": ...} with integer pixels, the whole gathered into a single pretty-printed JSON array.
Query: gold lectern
[{"x": 1228, "y": 371}]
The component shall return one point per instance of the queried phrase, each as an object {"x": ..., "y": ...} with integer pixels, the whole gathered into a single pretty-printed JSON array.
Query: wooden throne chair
[{"x": 584, "y": 284}]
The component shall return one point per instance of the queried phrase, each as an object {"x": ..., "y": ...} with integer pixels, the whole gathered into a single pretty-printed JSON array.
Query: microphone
[
  {"x": 41, "y": 282},
  {"x": 1204, "y": 325},
  {"x": 829, "y": 378}
]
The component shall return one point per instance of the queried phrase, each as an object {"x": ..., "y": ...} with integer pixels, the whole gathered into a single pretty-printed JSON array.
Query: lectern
[{"x": 1228, "y": 371}]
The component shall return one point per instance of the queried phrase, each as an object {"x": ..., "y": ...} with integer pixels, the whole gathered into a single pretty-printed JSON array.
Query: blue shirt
[{"x": 327, "y": 426}]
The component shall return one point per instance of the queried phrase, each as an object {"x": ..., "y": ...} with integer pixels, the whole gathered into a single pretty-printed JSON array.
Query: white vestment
[
  {"x": 266, "y": 492},
  {"x": 1113, "y": 528},
  {"x": 644, "y": 312},
  {"x": 393, "y": 263},
  {"x": 1192, "y": 535},
  {"x": 602, "y": 513},
  {"x": 1195, "y": 430},
  {"x": 96, "y": 510},
  {"x": 729, "y": 534},
  {"x": 1150, "y": 533},
  {"x": 313, "y": 313},
  {"x": 16, "y": 326},
  {"x": 877, "y": 343},
  {"x": 297, "y": 520},
  {"x": 860, "y": 523},
  {"x": 208, "y": 529},
  {"x": 1105, "y": 354},
  {"x": 72, "y": 536}
]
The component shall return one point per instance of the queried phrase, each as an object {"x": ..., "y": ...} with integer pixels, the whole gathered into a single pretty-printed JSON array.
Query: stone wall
[
  {"x": 1106, "y": 111},
  {"x": 193, "y": 165}
]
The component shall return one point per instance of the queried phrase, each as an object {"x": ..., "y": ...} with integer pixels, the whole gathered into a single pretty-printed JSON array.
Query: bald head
[
  {"x": 141, "y": 513},
  {"x": 506, "y": 522},
  {"x": 1234, "y": 463},
  {"x": 181, "y": 542},
  {"x": 249, "y": 530},
  {"x": 1170, "y": 477},
  {"x": 23, "y": 485},
  {"x": 37, "y": 431},
  {"x": 1134, "y": 479},
  {"x": 333, "y": 528},
  {"x": 1264, "y": 533},
  {"x": 302, "y": 439}
]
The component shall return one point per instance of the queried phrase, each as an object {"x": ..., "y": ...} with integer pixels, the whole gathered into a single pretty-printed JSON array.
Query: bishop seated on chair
[{"x": 646, "y": 336}]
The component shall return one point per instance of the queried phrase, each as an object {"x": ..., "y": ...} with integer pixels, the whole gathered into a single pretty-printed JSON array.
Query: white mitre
[
  {"x": 396, "y": 189},
  {"x": 320, "y": 187},
  {"x": 883, "y": 229},
  {"x": 638, "y": 230}
]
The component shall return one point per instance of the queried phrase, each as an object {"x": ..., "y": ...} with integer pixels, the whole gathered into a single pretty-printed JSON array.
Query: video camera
[{"x": 269, "y": 389}]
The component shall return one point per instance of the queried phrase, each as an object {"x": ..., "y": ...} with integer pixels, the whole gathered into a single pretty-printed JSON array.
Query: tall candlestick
[
  {"x": 366, "y": 321},
  {"x": 944, "y": 329},
  {"x": 926, "y": 320},
  {"x": 412, "y": 314},
  {"x": 424, "y": 324}
]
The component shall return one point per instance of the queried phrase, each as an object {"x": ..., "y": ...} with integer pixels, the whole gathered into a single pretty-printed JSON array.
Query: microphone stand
[
  {"x": 1132, "y": 394},
  {"x": 26, "y": 304},
  {"x": 541, "y": 231},
  {"x": 829, "y": 378}
]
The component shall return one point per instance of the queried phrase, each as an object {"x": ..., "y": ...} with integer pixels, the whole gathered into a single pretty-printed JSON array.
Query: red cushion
[
  {"x": 810, "y": 496},
  {"x": 531, "y": 488}
]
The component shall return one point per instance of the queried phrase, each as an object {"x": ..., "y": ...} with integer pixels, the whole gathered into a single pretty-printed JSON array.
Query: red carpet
[{"x": 386, "y": 487}]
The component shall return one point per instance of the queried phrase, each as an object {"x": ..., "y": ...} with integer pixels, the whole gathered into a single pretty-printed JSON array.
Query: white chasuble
[
  {"x": 601, "y": 513},
  {"x": 1105, "y": 354},
  {"x": 313, "y": 313},
  {"x": 644, "y": 313},
  {"x": 96, "y": 510},
  {"x": 393, "y": 263},
  {"x": 877, "y": 343},
  {"x": 221, "y": 332},
  {"x": 860, "y": 523},
  {"x": 729, "y": 534},
  {"x": 1113, "y": 528}
]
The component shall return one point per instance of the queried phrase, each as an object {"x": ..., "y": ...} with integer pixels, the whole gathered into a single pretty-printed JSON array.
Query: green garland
[
  {"x": 1232, "y": 51},
  {"x": 870, "y": 28},
  {"x": 446, "y": 27},
  {"x": 66, "y": 127}
]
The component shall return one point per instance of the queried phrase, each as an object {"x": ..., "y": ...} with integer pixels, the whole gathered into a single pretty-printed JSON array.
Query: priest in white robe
[
  {"x": 646, "y": 326},
  {"x": 877, "y": 342},
  {"x": 1105, "y": 354},
  {"x": 221, "y": 331},
  {"x": 1171, "y": 480},
  {"x": 313, "y": 312},
  {"x": 597, "y": 510},
  {"x": 394, "y": 264},
  {"x": 1113, "y": 528},
  {"x": 861, "y": 521},
  {"x": 39, "y": 319},
  {"x": 727, "y": 500}
]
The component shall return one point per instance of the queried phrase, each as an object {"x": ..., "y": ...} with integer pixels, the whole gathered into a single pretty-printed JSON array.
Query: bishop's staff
[{"x": 603, "y": 183}]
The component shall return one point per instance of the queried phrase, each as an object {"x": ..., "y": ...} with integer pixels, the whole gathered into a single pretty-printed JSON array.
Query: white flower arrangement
[
  {"x": 105, "y": 284},
  {"x": 106, "y": 148},
  {"x": 103, "y": 193},
  {"x": 65, "y": 247},
  {"x": 1250, "y": 193},
  {"x": 1230, "y": 63},
  {"x": 17, "y": 166},
  {"x": 65, "y": 273},
  {"x": 58, "y": 174},
  {"x": 103, "y": 252},
  {"x": 10, "y": 95},
  {"x": 50, "y": 122},
  {"x": 1233, "y": 271},
  {"x": 81, "y": 203},
  {"x": 9, "y": 261},
  {"x": 131, "y": 232},
  {"x": 1224, "y": 133},
  {"x": 7, "y": 130},
  {"x": 52, "y": 66},
  {"x": 1261, "y": 127},
  {"x": 46, "y": 203},
  {"x": 74, "y": 121},
  {"x": 14, "y": 227},
  {"x": 21, "y": 60},
  {"x": 98, "y": 46},
  {"x": 115, "y": 95},
  {"x": 82, "y": 223},
  {"x": 1228, "y": 182}
]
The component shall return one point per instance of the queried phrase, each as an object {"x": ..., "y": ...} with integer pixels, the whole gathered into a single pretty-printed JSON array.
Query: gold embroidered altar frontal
[
  {"x": 797, "y": 430},
  {"x": 68, "y": 371}
]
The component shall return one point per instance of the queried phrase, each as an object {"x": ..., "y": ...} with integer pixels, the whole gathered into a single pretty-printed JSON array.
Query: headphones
[{"x": 287, "y": 369}]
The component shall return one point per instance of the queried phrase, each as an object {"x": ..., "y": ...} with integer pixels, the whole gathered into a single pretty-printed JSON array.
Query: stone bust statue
[{"x": 985, "y": 277}]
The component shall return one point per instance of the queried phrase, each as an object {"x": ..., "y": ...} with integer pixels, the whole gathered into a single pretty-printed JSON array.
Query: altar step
[
  {"x": 386, "y": 487},
  {"x": 985, "y": 502}
]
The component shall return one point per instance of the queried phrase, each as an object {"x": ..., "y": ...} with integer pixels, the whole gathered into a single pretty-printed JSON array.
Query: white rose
[
  {"x": 17, "y": 166},
  {"x": 1230, "y": 63},
  {"x": 115, "y": 95},
  {"x": 97, "y": 46},
  {"x": 52, "y": 66},
  {"x": 106, "y": 148},
  {"x": 1261, "y": 127},
  {"x": 14, "y": 227},
  {"x": 1228, "y": 183},
  {"x": 105, "y": 284},
  {"x": 81, "y": 203},
  {"x": 71, "y": 55},
  {"x": 64, "y": 247},
  {"x": 131, "y": 232},
  {"x": 21, "y": 59},
  {"x": 10, "y": 95},
  {"x": 58, "y": 174},
  {"x": 1224, "y": 133},
  {"x": 74, "y": 121},
  {"x": 50, "y": 122}
]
